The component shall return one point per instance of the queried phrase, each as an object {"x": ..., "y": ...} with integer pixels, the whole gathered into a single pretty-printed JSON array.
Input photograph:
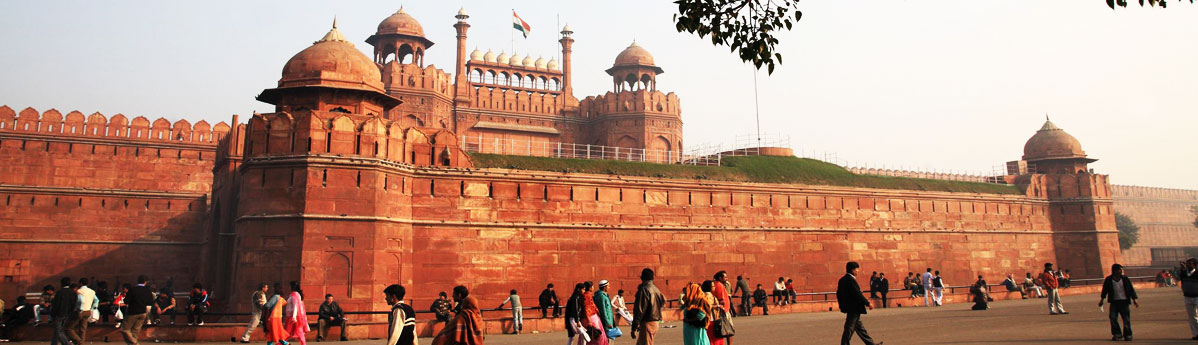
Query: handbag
[
  {"x": 723, "y": 327},
  {"x": 691, "y": 317},
  {"x": 94, "y": 317},
  {"x": 614, "y": 332}
]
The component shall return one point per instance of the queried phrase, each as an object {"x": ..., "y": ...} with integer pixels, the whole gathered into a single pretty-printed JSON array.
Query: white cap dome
[
  {"x": 540, "y": 63},
  {"x": 489, "y": 57},
  {"x": 529, "y": 61},
  {"x": 517, "y": 61},
  {"x": 476, "y": 55},
  {"x": 503, "y": 58},
  {"x": 552, "y": 65},
  {"x": 462, "y": 12}
]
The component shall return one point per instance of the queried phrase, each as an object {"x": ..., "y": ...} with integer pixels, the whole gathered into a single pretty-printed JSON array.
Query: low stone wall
[{"x": 495, "y": 322}]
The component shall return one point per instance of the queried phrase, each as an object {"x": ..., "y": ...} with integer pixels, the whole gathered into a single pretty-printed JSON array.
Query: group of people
[{"x": 72, "y": 306}]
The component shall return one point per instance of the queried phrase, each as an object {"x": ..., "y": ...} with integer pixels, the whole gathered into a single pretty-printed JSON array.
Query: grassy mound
[{"x": 762, "y": 169}]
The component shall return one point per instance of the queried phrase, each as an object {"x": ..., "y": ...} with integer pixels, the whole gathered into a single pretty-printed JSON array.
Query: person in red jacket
[{"x": 1049, "y": 280}]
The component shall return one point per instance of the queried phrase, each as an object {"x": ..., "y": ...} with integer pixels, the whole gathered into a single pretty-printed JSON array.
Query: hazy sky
[{"x": 932, "y": 84}]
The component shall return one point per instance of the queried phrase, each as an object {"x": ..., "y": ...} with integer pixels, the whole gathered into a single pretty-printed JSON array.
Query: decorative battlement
[
  {"x": 312, "y": 132},
  {"x": 1121, "y": 191},
  {"x": 410, "y": 76},
  {"x": 922, "y": 174},
  {"x": 51, "y": 122},
  {"x": 630, "y": 102}
]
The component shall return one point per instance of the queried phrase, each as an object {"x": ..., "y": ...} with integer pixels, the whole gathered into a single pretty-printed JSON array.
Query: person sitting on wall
[
  {"x": 21, "y": 314},
  {"x": 441, "y": 307},
  {"x": 330, "y": 314},
  {"x": 466, "y": 328},
  {"x": 1030, "y": 285},
  {"x": 1011, "y": 286},
  {"x": 981, "y": 298},
  {"x": 762, "y": 300}
]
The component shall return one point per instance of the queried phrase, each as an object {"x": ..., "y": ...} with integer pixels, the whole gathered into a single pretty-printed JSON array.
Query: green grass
[{"x": 762, "y": 169}]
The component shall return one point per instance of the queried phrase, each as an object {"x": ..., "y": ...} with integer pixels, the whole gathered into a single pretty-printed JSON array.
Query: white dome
[
  {"x": 529, "y": 61},
  {"x": 552, "y": 65},
  {"x": 476, "y": 55},
  {"x": 489, "y": 57},
  {"x": 503, "y": 58},
  {"x": 462, "y": 12},
  {"x": 517, "y": 61},
  {"x": 540, "y": 63}
]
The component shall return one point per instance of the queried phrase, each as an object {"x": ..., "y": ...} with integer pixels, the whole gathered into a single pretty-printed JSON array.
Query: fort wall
[
  {"x": 1165, "y": 219},
  {"x": 82, "y": 195}
]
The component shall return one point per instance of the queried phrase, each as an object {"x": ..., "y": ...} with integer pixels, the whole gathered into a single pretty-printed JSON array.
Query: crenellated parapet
[
  {"x": 1141, "y": 192},
  {"x": 398, "y": 76},
  {"x": 331, "y": 133},
  {"x": 639, "y": 101},
  {"x": 97, "y": 125}
]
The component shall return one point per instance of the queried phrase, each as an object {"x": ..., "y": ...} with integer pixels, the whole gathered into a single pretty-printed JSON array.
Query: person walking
[
  {"x": 574, "y": 316},
  {"x": 883, "y": 287},
  {"x": 257, "y": 302},
  {"x": 853, "y": 304},
  {"x": 696, "y": 312},
  {"x": 63, "y": 309},
  {"x": 517, "y": 311},
  {"x": 723, "y": 302},
  {"x": 137, "y": 303},
  {"x": 1189, "y": 290},
  {"x": 401, "y": 323},
  {"x": 295, "y": 317},
  {"x": 330, "y": 314},
  {"x": 646, "y": 309},
  {"x": 1118, "y": 289},
  {"x": 938, "y": 289},
  {"x": 466, "y": 328},
  {"x": 925, "y": 281},
  {"x": 78, "y": 323},
  {"x": 746, "y": 296},
  {"x": 1049, "y": 279},
  {"x": 603, "y": 304},
  {"x": 273, "y": 310},
  {"x": 590, "y": 319}
]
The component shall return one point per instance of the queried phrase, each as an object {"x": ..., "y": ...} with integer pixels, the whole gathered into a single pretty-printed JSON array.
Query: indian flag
[{"x": 519, "y": 24}]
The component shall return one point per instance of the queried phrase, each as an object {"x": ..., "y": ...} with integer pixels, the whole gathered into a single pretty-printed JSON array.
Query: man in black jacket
[
  {"x": 330, "y": 314},
  {"x": 883, "y": 287},
  {"x": 1120, "y": 292},
  {"x": 62, "y": 309},
  {"x": 137, "y": 301},
  {"x": 548, "y": 299},
  {"x": 853, "y": 303}
]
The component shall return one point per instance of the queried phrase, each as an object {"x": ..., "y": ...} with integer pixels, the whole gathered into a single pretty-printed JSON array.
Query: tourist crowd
[{"x": 591, "y": 315}]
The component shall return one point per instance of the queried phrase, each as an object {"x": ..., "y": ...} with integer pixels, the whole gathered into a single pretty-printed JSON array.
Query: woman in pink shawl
[{"x": 295, "y": 317}]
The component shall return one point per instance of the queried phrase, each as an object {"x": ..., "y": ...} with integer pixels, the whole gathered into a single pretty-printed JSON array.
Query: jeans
[
  {"x": 60, "y": 331},
  {"x": 746, "y": 306},
  {"x": 1120, "y": 309},
  {"x": 195, "y": 314},
  {"x": 1192, "y": 314},
  {"x": 158, "y": 315},
  {"x": 927, "y": 295},
  {"x": 517, "y": 319},
  {"x": 545, "y": 310},
  {"x": 883, "y": 292},
  {"x": 852, "y": 324}
]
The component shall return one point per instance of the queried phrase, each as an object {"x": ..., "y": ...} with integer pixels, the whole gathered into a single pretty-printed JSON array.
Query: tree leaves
[
  {"x": 747, "y": 27},
  {"x": 1129, "y": 232}
]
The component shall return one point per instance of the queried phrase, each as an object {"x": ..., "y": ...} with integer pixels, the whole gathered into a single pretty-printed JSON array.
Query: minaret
[
  {"x": 461, "y": 75},
  {"x": 567, "y": 42}
]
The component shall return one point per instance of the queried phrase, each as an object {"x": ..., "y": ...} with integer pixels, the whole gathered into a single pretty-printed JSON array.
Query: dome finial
[
  {"x": 400, "y": 10},
  {"x": 334, "y": 21},
  {"x": 334, "y": 35}
]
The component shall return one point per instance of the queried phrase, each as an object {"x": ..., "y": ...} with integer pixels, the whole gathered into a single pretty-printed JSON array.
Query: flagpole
[{"x": 513, "y": 30}]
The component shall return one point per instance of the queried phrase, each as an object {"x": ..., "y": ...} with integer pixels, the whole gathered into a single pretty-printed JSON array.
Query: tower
[
  {"x": 402, "y": 36},
  {"x": 461, "y": 79},
  {"x": 567, "y": 42},
  {"x": 1079, "y": 204},
  {"x": 634, "y": 70}
]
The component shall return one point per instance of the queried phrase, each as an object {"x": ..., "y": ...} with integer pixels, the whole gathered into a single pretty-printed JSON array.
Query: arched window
[
  {"x": 476, "y": 76},
  {"x": 490, "y": 77},
  {"x": 542, "y": 83},
  {"x": 503, "y": 79},
  {"x": 553, "y": 84}
]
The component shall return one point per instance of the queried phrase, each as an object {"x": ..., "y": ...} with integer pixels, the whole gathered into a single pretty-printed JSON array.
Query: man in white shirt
[
  {"x": 926, "y": 280},
  {"x": 77, "y": 326},
  {"x": 780, "y": 297}
]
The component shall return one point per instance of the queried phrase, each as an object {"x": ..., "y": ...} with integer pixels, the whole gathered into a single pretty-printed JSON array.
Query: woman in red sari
[
  {"x": 273, "y": 325},
  {"x": 466, "y": 328}
]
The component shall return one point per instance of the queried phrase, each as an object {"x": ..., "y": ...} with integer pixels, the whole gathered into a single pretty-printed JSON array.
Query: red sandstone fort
[{"x": 361, "y": 178}]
